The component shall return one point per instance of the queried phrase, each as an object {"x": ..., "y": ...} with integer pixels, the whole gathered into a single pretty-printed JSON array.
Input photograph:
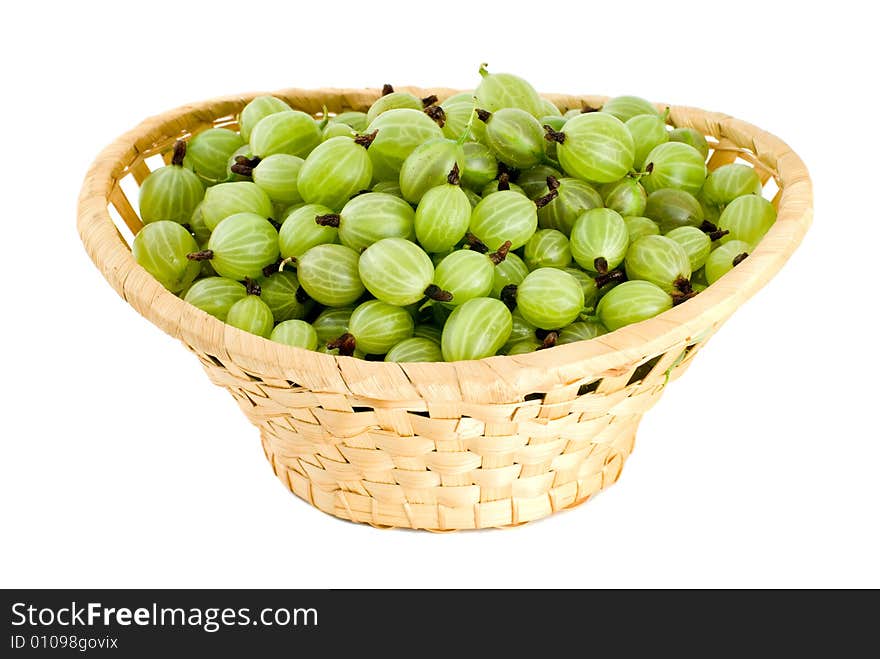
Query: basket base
[{"x": 389, "y": 505}]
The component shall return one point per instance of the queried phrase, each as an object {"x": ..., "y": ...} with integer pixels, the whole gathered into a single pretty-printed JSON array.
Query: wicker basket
[{"x": 444, "y": 446}]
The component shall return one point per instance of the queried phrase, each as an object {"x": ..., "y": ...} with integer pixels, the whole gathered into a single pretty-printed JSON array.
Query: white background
[{"x": 122, "y": 466}]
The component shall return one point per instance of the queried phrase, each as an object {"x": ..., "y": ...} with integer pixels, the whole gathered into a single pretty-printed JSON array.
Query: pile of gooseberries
[{"x": 490, "y": 222}]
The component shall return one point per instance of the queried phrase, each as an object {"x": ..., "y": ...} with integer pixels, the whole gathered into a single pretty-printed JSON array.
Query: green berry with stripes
[
  {"x": 512, "y": 270},
  {"x": 415, "y": 349},
  {"x": 280, "y": 291},
  {"x": 197, "y": 225},
  {"x": 295, "y": 333},
  {"x": 208, "y": 153},
  {"x": 225, "y": 199},
  {"x": 638, "y": 226},
  {"x": 632, "y": 302},
  {"x": 252, "y": 315},
  {"x": 458, "y": 111},
  {"x": 582, "y": 330},
  {"x": 442, "y": 216},
  {"x": 370, "y": 217},
  {"x": 329, "y": 274},
  {"x": 388, "y": 187},
  {"x": 480, "y": 166},
  {"x": 506, "y": 90},
  {"x": 595, "y": 147},
  {"x": 337, "y": 130},
  {"x": 428, "y": 331},
  {"x": 573, "y": 197},
  {"x": 503, "y": 216},
  {"x": 648, "y": 131},
  {"x": 300, "y": 230},
  {"x": 523, "y": 347},
  {"x": 547, "y": 248},
  {"x": 724, "y": 258},
  {"x": 476, "y": 329},
  {"x": 161, "y": 248},
  {"x": 396, "y": 271},
  {"x": 242, "y": 245},
  {"x": 354, "y": 119},
  {"x": 533, "y": 182},
  {"x": 171, "y": 192},
  {"x": 466, "y": 275},
  {"x": 695, "y": 243},
  {"x": 514, "y": 136},
  {"x": 747, "y": 218},
  {"x": 520, "y": 329},
  {"x": 215, "y": 295},
  {"x": 672, "y": 208},
  {"x": 626, "y": 196},
  {"x": 728, "y": 182},
  {"x": 400, "y": 132},
  {"x": 277, "y": 176},
  {"x": 332, "y": 323},
  {"x": 661, "y": 261},
  {"x": 625, "y": 108},
  {"x": 378, "y": 326},
  {"x": 292, "y": 132},
  {"x": 335, "y": 171},
  {"x": 257, "y": 109},
  {"x": 549, "y": 298},
  {"x": 599, "y": 240},
  {"x": 588, "y": 286},
  {"x": 393, "y": 101},
  {"x": 674, "y": 165},
  {"x": 429, "y": 165},
  {"x": 692, "y": 137}
]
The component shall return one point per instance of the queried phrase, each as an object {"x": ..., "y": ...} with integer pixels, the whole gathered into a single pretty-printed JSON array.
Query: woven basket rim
[{"x": 629, "y": 344}]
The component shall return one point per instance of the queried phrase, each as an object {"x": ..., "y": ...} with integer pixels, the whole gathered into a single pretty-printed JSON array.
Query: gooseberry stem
[
  {"x": 329, "y": 220},
  {"x": 434, "y": 292},
  {"x": 252, "y": 287},
  {"x": 245, "y": 166},
  {"x": 508, "y": 296},
  {"x": 367, "y": 139},
  {"x": 540, "y": 202},
  {"x": 272, "y": 268},
  {"x": 475, "y": 243},
  {"x": 179, "y": 153},
  {"x": 549, "y": 340},
  {"x": 501, "y": 253},
  {"x": 683, "y": 285},
  {"x": 345, "y": 344},
  {"x": 615, "y": 276},
  {"x": 454, "y": 177},
  {"x": 437, "y": 114},
  {"x": 552, "y": 135},
  {"x": 201, "y": 255},
  {"x": 284, "y": 262},
  {"x": 739, "y": 258}
]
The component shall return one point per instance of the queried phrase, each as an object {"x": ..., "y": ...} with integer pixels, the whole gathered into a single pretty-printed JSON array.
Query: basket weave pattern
[{"x": 445, "y": 446}]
